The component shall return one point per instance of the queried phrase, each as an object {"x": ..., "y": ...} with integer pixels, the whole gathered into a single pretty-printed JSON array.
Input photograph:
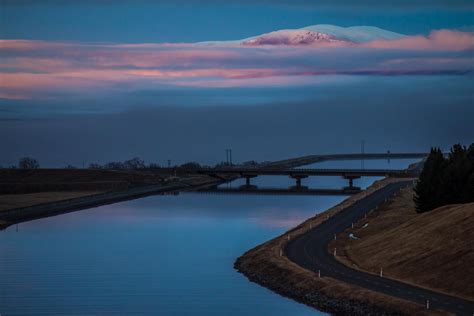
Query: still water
[{"x": 167, "y": 255}]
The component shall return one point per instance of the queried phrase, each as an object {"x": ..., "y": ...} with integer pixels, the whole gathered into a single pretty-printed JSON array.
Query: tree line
[
  {"x": 446, "y": 180},
  {"x": 130, "y": 164}
]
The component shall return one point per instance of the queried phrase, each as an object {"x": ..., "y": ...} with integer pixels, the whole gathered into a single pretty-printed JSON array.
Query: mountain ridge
[{"x": 314, "y": 34}]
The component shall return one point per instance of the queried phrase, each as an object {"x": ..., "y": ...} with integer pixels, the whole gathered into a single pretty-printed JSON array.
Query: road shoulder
[{"x": 414, "y": 248}]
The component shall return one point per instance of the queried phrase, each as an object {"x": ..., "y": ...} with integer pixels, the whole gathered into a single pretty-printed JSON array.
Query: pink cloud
[
  {"x": 13, "y": 96},
  {"x": 445, "y": 40},
  {"x": 33, "y": 68}
]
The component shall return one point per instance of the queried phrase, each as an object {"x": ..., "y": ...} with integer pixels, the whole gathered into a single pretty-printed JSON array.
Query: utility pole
[
  {"x": 228, "y": 156},
  {"x": 362, "y": 151}
]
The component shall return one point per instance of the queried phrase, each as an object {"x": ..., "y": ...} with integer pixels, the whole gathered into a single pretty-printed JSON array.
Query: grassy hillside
[{"x": 434, "y": 249}]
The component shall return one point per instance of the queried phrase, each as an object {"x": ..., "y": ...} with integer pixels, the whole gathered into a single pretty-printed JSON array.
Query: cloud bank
[{"x": 43, "y": 69}]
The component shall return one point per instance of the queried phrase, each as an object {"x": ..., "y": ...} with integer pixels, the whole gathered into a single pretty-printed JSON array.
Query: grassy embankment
[
  {"x": 23, "y": 188},
  {"x": 265, "y": 266},
  {"x": 18, "y": 181},
  {"x": 434, "y": 250},
  {"x": 11, "y": 201}
]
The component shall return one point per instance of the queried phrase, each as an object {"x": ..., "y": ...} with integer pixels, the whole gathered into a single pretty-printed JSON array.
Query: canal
[{"x": 167, "y": 255}]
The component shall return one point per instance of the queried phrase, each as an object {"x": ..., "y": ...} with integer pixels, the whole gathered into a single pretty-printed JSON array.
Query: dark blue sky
[
  {"x": 65, "y": 103},
  {"x": 189, "y": 21}
]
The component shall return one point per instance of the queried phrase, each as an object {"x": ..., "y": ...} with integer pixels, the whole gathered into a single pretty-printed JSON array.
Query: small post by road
[
  {"x": 319, "y": 274},
  {"x": 334, "y": 252},
  {"x": 335, "y": 237},
  {"x": 362, "y": 151},
  {"x": 352, "y": 226},
  {"x": 288, "y": 237},
  {"x": 427, "y": 304},
  {"x": 381, "y": 272}
]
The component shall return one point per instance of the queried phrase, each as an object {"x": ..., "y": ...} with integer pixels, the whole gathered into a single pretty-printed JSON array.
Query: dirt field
[{"x": 433, "y": 250}]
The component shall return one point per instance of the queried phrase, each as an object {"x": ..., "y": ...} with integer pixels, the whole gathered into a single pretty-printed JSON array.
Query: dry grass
[
  {"x": 9, "y": 201},
  {"x": 14, "y": 181},
  {"x": 434, "y": 250},
  {"x": 19, "y": 181},
  {"x": 264, "y": 265}
]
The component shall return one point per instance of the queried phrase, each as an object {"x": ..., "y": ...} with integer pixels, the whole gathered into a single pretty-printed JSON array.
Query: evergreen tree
[
  {"x": 429, "y": 186},
  {"x": 446, "y": 181},
  {"x": 456, "y": 176},
  {"x": 469, "y": 190}
]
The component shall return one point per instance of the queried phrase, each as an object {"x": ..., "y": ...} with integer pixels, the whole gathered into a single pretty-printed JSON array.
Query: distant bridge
[
  {"x": 310, "y": 159},
  {"x": 298, "y": 174}
]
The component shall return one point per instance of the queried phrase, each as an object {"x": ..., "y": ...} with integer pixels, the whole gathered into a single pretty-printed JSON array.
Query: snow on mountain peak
[
  {"x": 320, "y": 34},
  {"x": 290, "y": 37},
  {"x": 357, "y": 34}
]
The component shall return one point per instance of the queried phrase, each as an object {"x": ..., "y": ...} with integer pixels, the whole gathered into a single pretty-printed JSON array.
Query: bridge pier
[
  {"x": 247, "y": 179},
  {"x": 351, "y": 181},
  {"x": 298, "y": 180}
]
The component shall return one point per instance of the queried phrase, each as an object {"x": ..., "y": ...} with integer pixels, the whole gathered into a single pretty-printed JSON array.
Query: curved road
[{"x": 310, "y": 251}]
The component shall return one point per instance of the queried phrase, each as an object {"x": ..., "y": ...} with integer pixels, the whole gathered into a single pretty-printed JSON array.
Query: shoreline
[
  {"x": 28, "y": 213},
  {"x": 268, "y": 267}
]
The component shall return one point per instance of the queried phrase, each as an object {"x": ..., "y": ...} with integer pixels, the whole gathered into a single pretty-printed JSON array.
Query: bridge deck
[
  {"x": 244, "y": 172},
  {"x": 310, "y": 159}
]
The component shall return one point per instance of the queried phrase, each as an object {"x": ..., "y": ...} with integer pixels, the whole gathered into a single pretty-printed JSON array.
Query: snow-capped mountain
[
  {"x": 291, "y": 37},
  {"x": 314, "y": 35},
  {"x": 357, "y": 34}
]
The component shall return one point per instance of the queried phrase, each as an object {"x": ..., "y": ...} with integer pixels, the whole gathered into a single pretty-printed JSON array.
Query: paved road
[{"x": 310, "y": 251}]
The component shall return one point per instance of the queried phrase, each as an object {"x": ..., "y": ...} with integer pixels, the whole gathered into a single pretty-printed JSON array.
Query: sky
[
  {"x": 190, "y": 20},
  {"x": 100, "y": 80}
]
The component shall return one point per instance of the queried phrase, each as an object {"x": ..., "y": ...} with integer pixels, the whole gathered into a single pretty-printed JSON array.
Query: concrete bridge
[
  {"x": 310, "y": 159},
  {"x": 298, "y": 174}
]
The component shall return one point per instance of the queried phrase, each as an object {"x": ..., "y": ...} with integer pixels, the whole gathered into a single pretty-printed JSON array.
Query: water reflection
[{"x": 161, "y": 254}]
